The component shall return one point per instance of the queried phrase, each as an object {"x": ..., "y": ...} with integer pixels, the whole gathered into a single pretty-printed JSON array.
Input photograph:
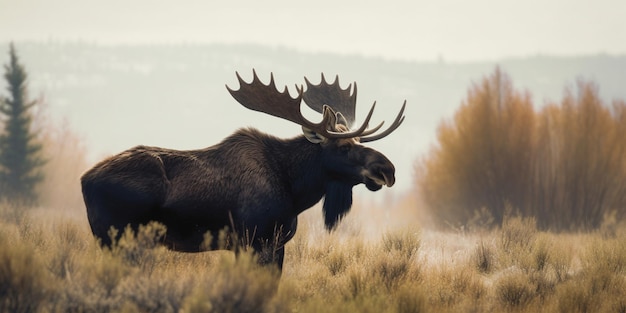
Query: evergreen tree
[{"x": 20, "y": 158}]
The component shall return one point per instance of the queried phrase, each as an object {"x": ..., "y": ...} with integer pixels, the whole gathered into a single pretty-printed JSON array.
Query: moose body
[{"x": 252, "y": 185}]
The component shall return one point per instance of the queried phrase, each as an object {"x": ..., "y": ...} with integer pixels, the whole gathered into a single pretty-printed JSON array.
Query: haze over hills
[{"x": 174, "y": 95}]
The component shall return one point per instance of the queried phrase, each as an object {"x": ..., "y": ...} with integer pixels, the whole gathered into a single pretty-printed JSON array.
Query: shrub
[
  {"x": 564, "y": 164},
  {"x": 482, "y": 157},
  {"x": 515, "y": 290},
  {"x": 484, "y": 257},
  {"x": 517, "y": 233},
  {"x": 405, "y": 242},
  {"x": 240, "y": 285},
  {"x": 24, "y": 283}
]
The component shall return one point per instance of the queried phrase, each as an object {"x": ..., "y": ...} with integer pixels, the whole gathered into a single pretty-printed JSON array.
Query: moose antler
[
  {"x": 396, "y": 123},
  {"x": 267, "y": 99},
  {"x": 340, "y": 100},
  {"x": 317, "y": 96}
]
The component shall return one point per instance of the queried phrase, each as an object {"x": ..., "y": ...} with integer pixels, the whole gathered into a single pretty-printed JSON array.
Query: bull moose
[{"x": 253, "y": 185}]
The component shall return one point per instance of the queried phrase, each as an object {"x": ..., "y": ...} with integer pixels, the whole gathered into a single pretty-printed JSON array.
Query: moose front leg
[
  {"x": 269, "y": 247},
  {"x": 269, "y": 253}
]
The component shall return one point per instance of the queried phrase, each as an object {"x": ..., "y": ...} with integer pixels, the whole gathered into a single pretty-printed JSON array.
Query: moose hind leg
[
  {"x": 112, "y": 206},
  {"x": 279, "y": 257}
]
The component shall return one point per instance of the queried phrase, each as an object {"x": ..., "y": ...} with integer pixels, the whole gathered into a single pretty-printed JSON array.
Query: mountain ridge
[{"x": 175, "y": 96}]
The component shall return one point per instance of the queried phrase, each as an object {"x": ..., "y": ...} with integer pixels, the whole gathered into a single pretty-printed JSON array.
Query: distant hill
[{"x": 174, "y": 96}]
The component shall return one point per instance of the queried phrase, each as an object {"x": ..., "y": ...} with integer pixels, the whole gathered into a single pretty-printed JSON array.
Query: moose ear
[
  {"x": 341, "y": 119},
  {"x": 313, "y": 136}
]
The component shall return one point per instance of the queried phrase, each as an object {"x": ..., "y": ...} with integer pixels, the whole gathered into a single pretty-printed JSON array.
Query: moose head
[{"x": 345, "y": 161}]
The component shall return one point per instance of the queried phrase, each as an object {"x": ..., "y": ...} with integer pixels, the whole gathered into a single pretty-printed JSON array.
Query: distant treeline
[{"x": 93, "y": 86}]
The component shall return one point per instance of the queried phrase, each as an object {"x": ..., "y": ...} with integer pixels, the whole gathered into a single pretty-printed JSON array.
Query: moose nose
[
  {"x": 381, "y": 173},
  {"x": 378, "y": 170},
  {"x": 390, "y": 177}
]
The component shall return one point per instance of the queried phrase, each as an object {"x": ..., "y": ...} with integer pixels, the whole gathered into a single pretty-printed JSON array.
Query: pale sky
[{"x": 456, "y": 30}]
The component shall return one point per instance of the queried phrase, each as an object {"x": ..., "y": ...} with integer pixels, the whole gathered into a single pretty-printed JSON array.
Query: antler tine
[
  {"x": 272, "y": 84},
  {"x": 396, "y": 123},
  {"x": 373, "y": 130},
  {"x": 368, "y": 132}
]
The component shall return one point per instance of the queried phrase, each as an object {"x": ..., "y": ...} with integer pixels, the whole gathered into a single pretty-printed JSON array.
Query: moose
[{"x": 251, "y": 185}]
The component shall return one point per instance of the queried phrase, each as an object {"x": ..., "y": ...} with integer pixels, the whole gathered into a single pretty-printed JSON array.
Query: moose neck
[{"x": 301, "y": 164}]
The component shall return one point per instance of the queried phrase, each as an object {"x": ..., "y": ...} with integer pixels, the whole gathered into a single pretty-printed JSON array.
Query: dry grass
[{"x": 50, "y": 263}]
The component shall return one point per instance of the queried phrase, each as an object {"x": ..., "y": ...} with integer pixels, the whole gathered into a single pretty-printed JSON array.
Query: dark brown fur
[{"x": 251, "y": 183}]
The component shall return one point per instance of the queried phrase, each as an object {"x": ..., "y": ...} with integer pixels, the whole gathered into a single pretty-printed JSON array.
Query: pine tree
[{"x": 20, "y": 158}]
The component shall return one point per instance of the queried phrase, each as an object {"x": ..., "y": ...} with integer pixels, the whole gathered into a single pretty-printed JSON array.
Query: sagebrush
[{"x": 53, "y": 264}]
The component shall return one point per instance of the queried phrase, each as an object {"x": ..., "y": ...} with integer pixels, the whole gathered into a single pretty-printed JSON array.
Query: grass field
[{"x": 50, "y": 263}]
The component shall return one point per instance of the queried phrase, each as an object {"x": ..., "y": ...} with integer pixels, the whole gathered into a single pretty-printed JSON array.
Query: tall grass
[{"x": 52, "y": 263}]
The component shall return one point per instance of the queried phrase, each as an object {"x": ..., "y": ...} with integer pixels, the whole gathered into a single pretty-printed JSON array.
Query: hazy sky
[{"x": 457, "y": 30}]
